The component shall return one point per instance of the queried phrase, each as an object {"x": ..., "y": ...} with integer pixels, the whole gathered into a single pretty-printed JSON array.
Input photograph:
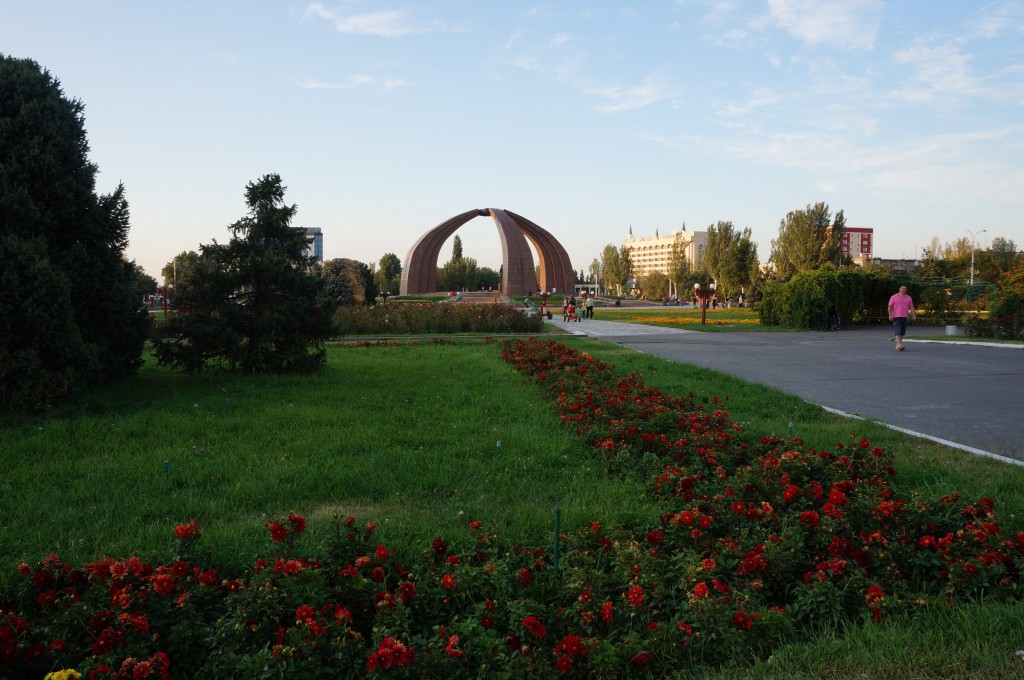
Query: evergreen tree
[
  {"x": 253, "y": 303},
  {"x": 70, "y": 310}
]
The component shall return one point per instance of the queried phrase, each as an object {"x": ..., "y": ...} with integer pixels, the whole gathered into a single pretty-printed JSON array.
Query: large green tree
[
  {"x": 615, "y": 268},
  {"x": 178, "y": 272},
  {"x": 808, "y": 239},
  {"x": 678, "y": 264},
  {"x": 720, "y": 237},
  {"x": 1004, "y": 254},
  {"x": 459, "y": 273},
  {"x": 389, "y": 274},
  {"x": 348, "y": 282},
  {"x": 738, "y": 270},
  {"x": 253, "y": 303},
  {"x": 70, "y": 309}
]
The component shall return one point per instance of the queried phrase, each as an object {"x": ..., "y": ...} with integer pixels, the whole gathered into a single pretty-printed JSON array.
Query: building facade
[
  {"x": 858, "y": 242},
  {"x": 315, "y": 238},
  {"x": 654, "y": 253}
]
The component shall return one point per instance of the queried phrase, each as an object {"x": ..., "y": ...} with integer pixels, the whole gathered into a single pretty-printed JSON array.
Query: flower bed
[
  {"x": 406, "y": 318},
  {"x": 762, "y": 539}
]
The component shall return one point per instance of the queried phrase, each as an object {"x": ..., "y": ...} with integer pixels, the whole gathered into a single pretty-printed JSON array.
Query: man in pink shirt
[{"x": 900, "y": 307}]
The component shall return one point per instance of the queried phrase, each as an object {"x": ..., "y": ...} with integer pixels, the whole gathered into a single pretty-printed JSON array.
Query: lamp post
[
  {"x": 972, "y": 254},
  {"x": 703, "y": 294}
]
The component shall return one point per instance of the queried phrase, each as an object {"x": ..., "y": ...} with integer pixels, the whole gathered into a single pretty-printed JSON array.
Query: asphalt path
[{"x": 965, "y": 393}]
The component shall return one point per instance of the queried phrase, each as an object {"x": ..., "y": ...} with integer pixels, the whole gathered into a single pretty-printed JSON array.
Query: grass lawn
[{"x": 408, "y": 435}]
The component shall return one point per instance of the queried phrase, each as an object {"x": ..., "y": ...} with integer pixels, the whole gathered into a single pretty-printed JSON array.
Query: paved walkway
[{"x": 965, "y": 393}]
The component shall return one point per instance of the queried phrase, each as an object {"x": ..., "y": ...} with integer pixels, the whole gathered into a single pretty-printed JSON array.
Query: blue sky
[{"x": 387, "y": 118}]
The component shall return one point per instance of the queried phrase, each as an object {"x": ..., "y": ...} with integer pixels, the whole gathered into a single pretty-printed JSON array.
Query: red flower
[
  {"x": 655, "y": 537},
  {"x": 635, "y": 595},
  {"x": 809, "y": 517},
  {"x": 874, "y": 595},
  {"x": 448, "y": 581},
  {"x": 452, "y": 648},
  {"x": 525, "y": 576},
  {"x": 407, "y": 592},
  {"x": 298, "y": 523},
  {"x": 701, "y": 590},
  {"x": 187, "y": 531},
  {"x": 278, "y": 532},
  {"x": 390, "y": 654},
  {"x": 742, "y": 621},
  {"x": 533, "y": 624},
  {"x": 790, "y": 493},
  {"x": 163, "y": 584},
  {"x": 606, "y": 611}
]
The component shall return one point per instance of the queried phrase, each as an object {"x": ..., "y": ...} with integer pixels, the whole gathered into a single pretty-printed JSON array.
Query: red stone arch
[{"x": 419, "y": 275}]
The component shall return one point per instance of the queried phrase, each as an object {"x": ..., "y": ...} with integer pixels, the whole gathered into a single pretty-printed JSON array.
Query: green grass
[
  {"x": 403, "y": 435},
  {"x": 407, "y": 436}
]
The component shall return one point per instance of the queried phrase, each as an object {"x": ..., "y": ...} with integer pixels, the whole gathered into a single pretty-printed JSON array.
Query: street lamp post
[
  {"x": 703, "y": 294},
  {"x": 972, "y": 255}
]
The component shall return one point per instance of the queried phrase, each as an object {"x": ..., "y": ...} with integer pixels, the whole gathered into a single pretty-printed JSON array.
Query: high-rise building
[
  {"x": 858, "y": 242},
  {"x": 654, "y": 253},
  {"x": 315, "y": 238}
]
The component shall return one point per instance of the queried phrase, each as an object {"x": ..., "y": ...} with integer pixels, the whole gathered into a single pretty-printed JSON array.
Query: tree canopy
[
  {"x": 807, "y": 240},
  {"x": 252, "y": 304},
  {"x": 70, "y": 305},
  {"x": 348, "y": 282},
  {"x": 615, "y": 268},
  {"x": 389, "y": 274}
]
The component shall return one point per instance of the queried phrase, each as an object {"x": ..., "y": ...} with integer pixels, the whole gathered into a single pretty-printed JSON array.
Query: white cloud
[
  {"x": 1002, "y": 19},
  {"x": 352, "y": 82},
  {"x": 560, "y": 39},
  {"x": 384, "y": 24},
  {"x": 941, "y": 72},
  {"x": 651, "y": 91},
  {"x": 846, "y": 24},
  {"x": 759, "y": 98}
]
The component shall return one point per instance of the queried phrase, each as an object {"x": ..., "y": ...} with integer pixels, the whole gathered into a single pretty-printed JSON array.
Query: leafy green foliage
[
  {"x": 806, "y": 300},
  {"x": 51, "y": 214},
  {"x": 1006, "y": 317},
  {"x": 615, "y": 268},
  {"x": 251, "y": 304},
  {"x": 654, "y": 285},
  {"x": 807, "y": 240},
  {"x": 389, "y": 274},
  {"x": 348, "y": 282}
]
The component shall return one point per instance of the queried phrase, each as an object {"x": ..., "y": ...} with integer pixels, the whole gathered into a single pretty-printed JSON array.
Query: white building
[{"x": 654, "y": 253}]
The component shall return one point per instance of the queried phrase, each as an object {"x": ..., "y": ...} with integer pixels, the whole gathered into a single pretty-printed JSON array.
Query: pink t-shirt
[{"x": 900, "y": 306}]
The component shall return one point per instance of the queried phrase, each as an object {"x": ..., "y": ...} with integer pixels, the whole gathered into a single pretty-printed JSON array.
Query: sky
[{"x": 385, "y": 119}]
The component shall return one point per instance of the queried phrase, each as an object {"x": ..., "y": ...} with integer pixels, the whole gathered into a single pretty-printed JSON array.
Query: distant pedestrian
[
  {"x": 590, "y": 306},
  {"x": 900, "y": 308}
]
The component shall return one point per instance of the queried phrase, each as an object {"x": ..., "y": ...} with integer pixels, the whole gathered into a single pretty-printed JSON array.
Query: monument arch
[{"x": 419, "y": 275}]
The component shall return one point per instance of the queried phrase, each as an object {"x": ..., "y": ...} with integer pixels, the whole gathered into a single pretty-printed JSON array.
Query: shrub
[{"x": 404, "y": 318}]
